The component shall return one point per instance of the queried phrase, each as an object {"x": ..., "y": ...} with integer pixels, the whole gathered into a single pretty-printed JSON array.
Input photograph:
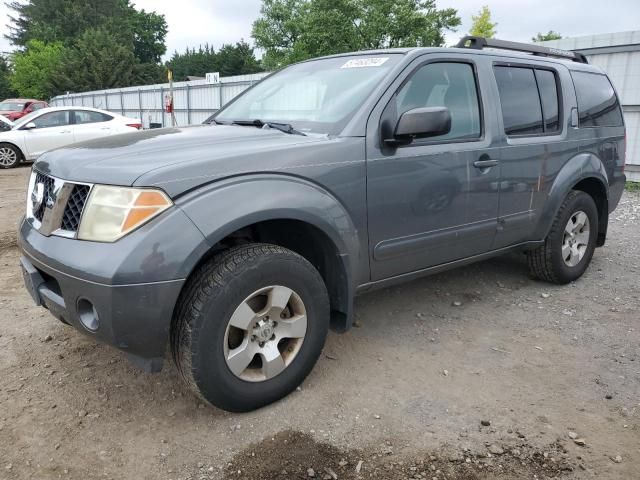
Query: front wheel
[
  {"x": 9, "y": 156},
  {"x": 569, "y": 247},
  {"x": 250, "y": 326}
]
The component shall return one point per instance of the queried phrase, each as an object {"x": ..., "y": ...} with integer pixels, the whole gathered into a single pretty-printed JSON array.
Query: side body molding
[
  {"x": 580, "y": 167},
  {"x": 226, "y": 206}
]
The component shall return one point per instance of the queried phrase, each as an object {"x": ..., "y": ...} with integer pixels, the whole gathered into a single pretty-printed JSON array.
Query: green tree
[
  {"x": 66, "y": 20},
  {"x": 33, "y": 69},
  {"x": 543, "y": 37},
  {"x": 5, "y": 86},
  {"x": 193, "y": 62},
  {"x": 238, "y": 59},
  {"x": 97, "y": 61},
  {"x": 293, "y": 30},
  {"x": 482, "y": 25},
  {"x": 149, "y": 31}
]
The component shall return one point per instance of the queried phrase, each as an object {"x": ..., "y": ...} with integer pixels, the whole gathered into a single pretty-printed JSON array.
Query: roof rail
[{"x": 478, "y": 43}]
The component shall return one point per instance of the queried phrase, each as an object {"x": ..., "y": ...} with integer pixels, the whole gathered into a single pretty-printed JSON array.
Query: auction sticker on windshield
[{"x": 365, "y": 62}]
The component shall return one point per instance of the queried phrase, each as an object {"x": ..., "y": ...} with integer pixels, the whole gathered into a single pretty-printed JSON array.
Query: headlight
[{"x": 112, "y": 212}]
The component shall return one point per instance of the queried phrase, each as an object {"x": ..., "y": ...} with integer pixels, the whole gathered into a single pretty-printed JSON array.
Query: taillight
[{"x": 137, "y": 126}]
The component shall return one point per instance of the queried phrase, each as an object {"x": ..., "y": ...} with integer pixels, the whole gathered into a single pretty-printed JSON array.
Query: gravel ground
[{"x": 477, "y": 373}]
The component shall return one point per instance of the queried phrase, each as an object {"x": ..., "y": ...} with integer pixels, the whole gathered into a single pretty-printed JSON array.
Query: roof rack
[{"x": 478, "y": 43}]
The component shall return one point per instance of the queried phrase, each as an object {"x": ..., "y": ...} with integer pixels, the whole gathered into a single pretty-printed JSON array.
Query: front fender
[
  {"x": 224, "y": 207},
  {"x": 580, "y": 167},
  {"x": 221, "y": 208}
]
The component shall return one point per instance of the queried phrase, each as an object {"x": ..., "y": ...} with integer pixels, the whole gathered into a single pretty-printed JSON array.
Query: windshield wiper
[{"x": 283, "y": 127}]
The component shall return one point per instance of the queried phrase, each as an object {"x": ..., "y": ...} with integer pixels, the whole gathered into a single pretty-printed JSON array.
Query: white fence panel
[{"x": 193, "y": 101}]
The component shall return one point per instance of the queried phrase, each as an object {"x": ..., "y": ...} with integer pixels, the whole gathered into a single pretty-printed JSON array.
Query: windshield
[
  {"x": 319, "y": 96},
  {"x": 11, "y": 107}
]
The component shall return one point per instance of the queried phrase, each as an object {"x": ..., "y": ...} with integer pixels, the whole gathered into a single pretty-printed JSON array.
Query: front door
[
  {"x": 434, "y": 200},
  {"x": 52, "y": 130}
]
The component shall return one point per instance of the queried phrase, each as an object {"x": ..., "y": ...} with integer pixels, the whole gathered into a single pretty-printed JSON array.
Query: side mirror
[
  {"x": 29, "y": 126},
  {"x": 421, "y": 122}
]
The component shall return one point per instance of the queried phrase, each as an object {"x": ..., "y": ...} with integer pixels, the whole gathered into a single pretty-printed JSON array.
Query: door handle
[
  {"x": 65, "y": 131},
  {"x": 485, "y": 163}
]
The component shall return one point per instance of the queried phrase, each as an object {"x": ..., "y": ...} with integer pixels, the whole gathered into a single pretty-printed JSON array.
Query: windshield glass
[
  {"x": 318, "y": 96},
  {"x": 11, "y": 107}
]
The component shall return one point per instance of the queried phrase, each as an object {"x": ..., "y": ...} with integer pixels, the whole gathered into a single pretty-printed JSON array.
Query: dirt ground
[{"x": 477, "y": 373}]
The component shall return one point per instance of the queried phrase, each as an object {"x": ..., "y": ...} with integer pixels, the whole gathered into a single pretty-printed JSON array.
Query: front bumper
[
  {"x": 119, "y": 283},
  {"x": 134, "y": 318}
]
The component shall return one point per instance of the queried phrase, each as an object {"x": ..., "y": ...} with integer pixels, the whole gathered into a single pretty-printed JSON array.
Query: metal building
[{"x": 618, "y": 54}]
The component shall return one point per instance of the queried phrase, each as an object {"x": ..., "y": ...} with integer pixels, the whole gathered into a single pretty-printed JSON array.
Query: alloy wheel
[
  {"x": 575, "y": 240},
  {"x": 8, "y": 157},
  {"x": 265, "y": 333}
]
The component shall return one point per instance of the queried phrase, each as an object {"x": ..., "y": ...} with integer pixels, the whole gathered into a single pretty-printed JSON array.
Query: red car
[{"x": 15, "y": 108}]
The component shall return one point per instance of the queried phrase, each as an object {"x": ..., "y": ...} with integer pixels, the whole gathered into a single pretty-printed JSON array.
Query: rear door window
[
  {"x": 88, "y": 116},
  {"x": 521, "y": 109},
  {"x": 548, "y": 88},
  {"x": 597, "y": 102},
  {"x": 529, "y": 99}
]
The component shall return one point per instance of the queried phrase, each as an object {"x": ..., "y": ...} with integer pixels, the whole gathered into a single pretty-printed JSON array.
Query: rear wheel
[
  {"x": 569, "y": 247},
  {"x": 10, "y": 156},
  {"x": 250, "y": 326}
]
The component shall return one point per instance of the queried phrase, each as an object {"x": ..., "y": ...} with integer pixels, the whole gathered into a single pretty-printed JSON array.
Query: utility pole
[{"x": 170, "y": 106}]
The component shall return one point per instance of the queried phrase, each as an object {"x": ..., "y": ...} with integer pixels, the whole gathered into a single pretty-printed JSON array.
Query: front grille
[
  {"x": 73, "y": 210},
  {"x": 54, "y": 205},
  {"x": 48, "y": 183}
]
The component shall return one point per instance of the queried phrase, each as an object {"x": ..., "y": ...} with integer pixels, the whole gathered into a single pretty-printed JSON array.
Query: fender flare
[{"x": 581, "y": 167}]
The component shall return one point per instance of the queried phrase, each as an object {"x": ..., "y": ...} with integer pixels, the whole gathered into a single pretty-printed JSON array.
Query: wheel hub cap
[
  {"x": 265, "y": 333},
  {"x": 264, "y": 329}
]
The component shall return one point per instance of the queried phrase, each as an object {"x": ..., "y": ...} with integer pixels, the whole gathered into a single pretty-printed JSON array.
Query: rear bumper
[{"x": 616, "y": 189}]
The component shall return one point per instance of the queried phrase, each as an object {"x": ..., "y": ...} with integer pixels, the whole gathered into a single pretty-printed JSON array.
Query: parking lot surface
[{"x": 477, "y": 373}]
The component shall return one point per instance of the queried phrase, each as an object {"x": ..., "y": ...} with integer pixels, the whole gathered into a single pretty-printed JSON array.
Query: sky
[{"x": 195, "y": 22}]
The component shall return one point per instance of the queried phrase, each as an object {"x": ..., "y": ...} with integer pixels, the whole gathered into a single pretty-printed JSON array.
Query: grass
[{"x": 632, "y": 187}]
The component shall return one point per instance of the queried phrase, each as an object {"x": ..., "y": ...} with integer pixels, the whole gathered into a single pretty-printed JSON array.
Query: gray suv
[{"x": 240, "y": 243}]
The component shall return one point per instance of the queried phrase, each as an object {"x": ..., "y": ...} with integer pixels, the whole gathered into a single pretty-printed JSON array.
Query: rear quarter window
[{"x": 597, "y": 102}]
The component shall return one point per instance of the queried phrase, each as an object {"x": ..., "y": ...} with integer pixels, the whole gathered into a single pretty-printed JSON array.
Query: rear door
[
  {"x": 534, "y": 127},
  {"x": 53, "y": 130},
  {"x": 89, "y": 124},
  {"x": 435, "y": 200}
]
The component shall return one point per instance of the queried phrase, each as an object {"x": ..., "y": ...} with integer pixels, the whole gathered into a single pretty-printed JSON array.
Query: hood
[{"x": 174, "y": 159}]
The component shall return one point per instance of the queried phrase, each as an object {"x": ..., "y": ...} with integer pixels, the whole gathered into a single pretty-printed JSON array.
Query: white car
[{"x": 55, "y": 127}]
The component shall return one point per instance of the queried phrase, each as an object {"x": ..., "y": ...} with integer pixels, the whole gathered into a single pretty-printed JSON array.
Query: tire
[
  {"x": 10, "y": 155},
  {"x": 558, "y": 260},
  {"x": 205, "y": 335}
]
